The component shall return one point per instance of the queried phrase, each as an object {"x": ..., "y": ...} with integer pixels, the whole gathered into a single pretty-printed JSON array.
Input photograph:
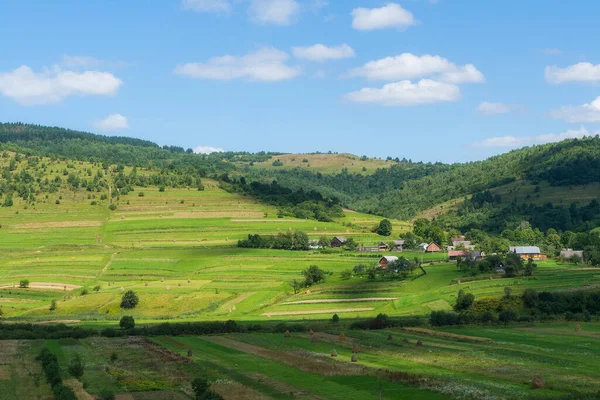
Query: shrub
[
  {"x": 114, "y": 357},
  {"x": 464, "y": 301},
  {"x": 97, "y": 288},
  {"x": 127, "y": 322},
  {"x": 84, "y": 292},
  {"x": 52, "y": 305},
  {"x": 346, "y": 274},
  {"x": 141, "y": 194},
  {"x": 335, "y": 319},
  {"x": 24, "y": 283},
  {"x": 440, "y": 318},
  {"x": 106, "y": 394},
  {"x": 529, "y": 297},
  {"x": 112, "y": 207},
  {"x": 129, "y": 300},
  {"x": 76, "y": 367},
  {"x": 507, "y": 316},
  {"x": 313, "y": 275}
]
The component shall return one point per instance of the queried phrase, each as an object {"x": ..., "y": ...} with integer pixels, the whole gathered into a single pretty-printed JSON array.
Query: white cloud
[
  {"x": 54, "y": 85},
  {"x": 216, "y": 6},
  {"x": 391, "y": 15},
  {"x": 265, "y": 65},
  {"x": 580, "y": 72},
  {"x": 320, "y": 52},
  {"x": 320, "y": 74},
  {"x": 114, "y": 122},
  {"x": 464, "y": 74},
  {"x": 207, "y": 150},
  {"x": 406, "y": 93},
  {"x": 487, "y": 108},
  {"x": 513, "y": 141},
  {"x": 277, "y": 12},
  {"x": 408, "y": 65},
  {"x": 589, "y": 112}
]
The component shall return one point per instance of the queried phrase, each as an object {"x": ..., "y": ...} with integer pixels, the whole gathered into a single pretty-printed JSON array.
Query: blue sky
[{"x": 441, "y": 80}]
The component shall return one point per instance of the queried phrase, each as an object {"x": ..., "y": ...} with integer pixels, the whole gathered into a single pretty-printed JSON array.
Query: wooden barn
[
  {"x": 338, "y": 241},
  {"x": 528, "y": 252}
]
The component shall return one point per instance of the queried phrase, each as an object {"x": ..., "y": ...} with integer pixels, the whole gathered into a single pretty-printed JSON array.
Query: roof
[
  {"x": 571, "y": 253},
  {"x": 456, "y": 253},
  {"x": 398, "y": 242},
  {"x": 525, "y": 249},
  {"x": 389, "y": 259},
  {"x": 424, "y": 245},
  {"x": 340, "y": 238},
  {"x": 429, "y": 244}
]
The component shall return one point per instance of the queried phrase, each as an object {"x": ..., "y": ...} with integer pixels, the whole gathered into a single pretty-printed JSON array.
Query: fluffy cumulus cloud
[
  {"x": 214, "y": 6},
  {"x": 207, "y": 150},
  {"x": 487, "y": 108},
  {"x": 589, "y": 112},
  {"x": 513, "y": 141},
  {"x": 114, "y": 122},
  {"x": 580, "y": 72},
  {"x": 319, "y": 52},
  {"x": 276, "y": 12},
  {"x": 391, "y": 15},
  {"x": 265, "y": 65},
  {"x": 408, "y": 65},
  {"x": 406, "y": 93},
  {"x": 54, "y": 85}
]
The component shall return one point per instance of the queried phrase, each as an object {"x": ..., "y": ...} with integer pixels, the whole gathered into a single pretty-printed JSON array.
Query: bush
[
  {"x": 52, "y": 305},
  {"x": 97, "y": 288},
  {"x": 76, "y": 367},
  {"x": 129, "y": 300},
  {"x": 112, "y": 207},
  {"x": 335, "y": 319},
  {"x": 62, "y": 392},
  {"x": 507, "y": 316},
  {"x": 106, "y": 394},
  {"x": 84, "y": 292},
  {"x": 346, "y": 274},
  {"x": 313, "y": 275},
  {"x": 441, "y": 318},
  {"x": 141, "y": 194},
  {"x": 464, "y": 301},
  {"x": 127, "y": 322},
  {"x": 24, "y": 283}
]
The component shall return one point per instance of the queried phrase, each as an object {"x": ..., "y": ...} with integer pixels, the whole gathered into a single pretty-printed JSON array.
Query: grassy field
[
  {"x": 327, "y": 163},
  {"x": 493, "y": 362}
]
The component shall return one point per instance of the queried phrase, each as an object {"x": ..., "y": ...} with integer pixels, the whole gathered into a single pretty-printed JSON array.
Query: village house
[
  {"x": 432, "y": 247},
  {"x": 473, "y": 255},
  {"x": 423, "y": 246},
  {"x": 461, "y": 245},
  {"x": 398, "y": 245},
  {"x": 338, "y": 241},
  {"x": 382, "y": 246},
  {"x": 569, "y": 253},
  {"x": 528, "y": 252},
  {"x": 384, "y": 261}
]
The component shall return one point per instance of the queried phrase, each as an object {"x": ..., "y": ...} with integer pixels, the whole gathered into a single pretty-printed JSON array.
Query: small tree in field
[
  {"x": 296, "y": 285},
  {"x": 24, "y": 283},
  {"x": 384, "y": 228},
  {"x": 52, "y": 305},
  {"x": 77, "y": 367},
  {"x": 464, "y": 301},
  {"x": 129, "y": 300},
  {"x": 127, "y": 322}
]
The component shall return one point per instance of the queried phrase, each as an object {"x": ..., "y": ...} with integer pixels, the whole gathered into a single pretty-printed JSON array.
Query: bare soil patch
[
  {"x": 317, "y": 301},
  {"x": 448, "y": 335},
  {"x": 330, "y": 311},
  {"x": 77, "y": 387},
  {"x": 57, "y": 321},
  {"x": 13, "y": 300},
  {"x": 237, "y": 391},
  {"x": 46, "y": 285},
  {"x": 283, "y": 387},
  {"x": 61, "y": 224},
  {"x": 303, "y": 362}
]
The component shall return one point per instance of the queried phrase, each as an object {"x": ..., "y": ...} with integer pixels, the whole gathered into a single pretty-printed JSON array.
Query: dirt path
[
  {"x": 47, "y": 285},
  {"x": 317, "y": 301},
  {"x": 308, "y": 312},
  {"x": 447, "y": 335},
  {"x": 316, "y": 365},
  {"x": 557, "y": 332},
  {"x": 110, "y": 260},
  {"x": 63, "y": 224}
]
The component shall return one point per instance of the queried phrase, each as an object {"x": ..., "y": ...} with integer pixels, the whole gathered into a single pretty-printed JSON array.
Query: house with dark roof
[
  {"x": 338, "y": 241},
  {"x": 570, "y": 253},
  {"x": 398, "y": 245}
]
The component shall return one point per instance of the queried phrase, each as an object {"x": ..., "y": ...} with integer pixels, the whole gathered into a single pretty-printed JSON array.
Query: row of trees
[{"x": 282, "y": 241}]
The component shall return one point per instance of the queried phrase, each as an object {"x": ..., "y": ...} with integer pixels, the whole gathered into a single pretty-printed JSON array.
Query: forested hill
[
  {"x": 403, "y": 191},
  {"x": 83, "y": 146},
  {"x": 536, "y": 183}
]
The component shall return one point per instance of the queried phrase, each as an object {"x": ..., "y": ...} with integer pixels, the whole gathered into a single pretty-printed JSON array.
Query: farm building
[
  {"x": 432, "y": 247},
  {"x": 527, "y": 252},
  {"x": 423, "y": 246},
  {"x": 338, "y": 241},
  {"x": 382, "y": 246},
  {"x": 398, "y": 245},
  {"x": 461, "y": 244},
  {"x": 569, "y": 253},
  {"x": 473, "y": 255},
  {"x": 368, "y": 249},
  {"x": 384, "y": 261}
]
